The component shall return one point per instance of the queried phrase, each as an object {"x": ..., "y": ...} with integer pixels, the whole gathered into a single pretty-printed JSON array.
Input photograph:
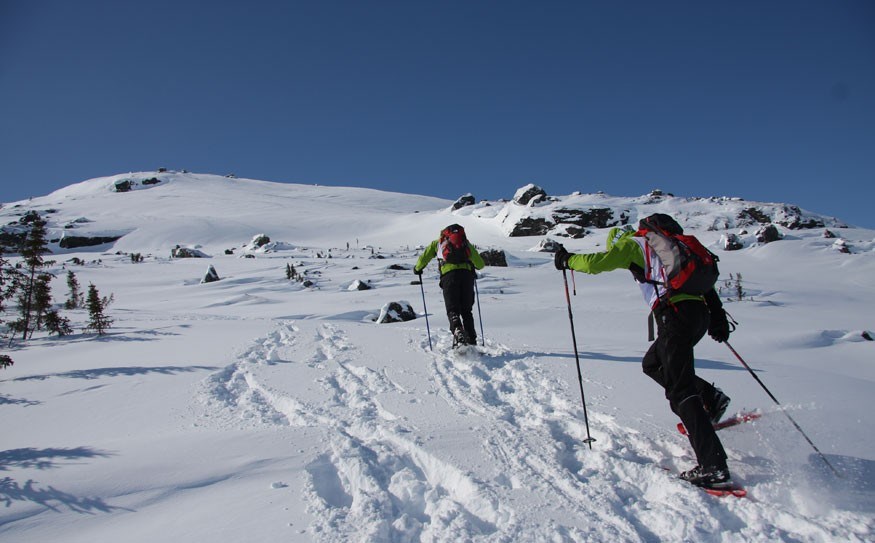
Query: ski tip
[{"x": 737, "y": 492}]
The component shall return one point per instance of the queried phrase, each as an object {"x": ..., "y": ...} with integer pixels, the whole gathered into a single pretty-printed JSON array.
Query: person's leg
[
  {"x": 466, "y": 300},
  {"x": 681, "y": 327},
  {"x": 453, "y": 301},
  {"x": 652, "y": 365}
]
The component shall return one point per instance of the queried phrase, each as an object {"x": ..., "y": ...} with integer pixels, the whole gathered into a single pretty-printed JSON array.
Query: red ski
[
  {"x": 736, "y": 491},
  {"x": 738, "y": 418}
]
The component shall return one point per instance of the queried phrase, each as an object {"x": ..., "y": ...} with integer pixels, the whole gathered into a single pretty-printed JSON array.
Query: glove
[
  {"x": 561, "y": 258},
  {"x": 718, "y": 329},
  {"x": 417, "y": 271}
]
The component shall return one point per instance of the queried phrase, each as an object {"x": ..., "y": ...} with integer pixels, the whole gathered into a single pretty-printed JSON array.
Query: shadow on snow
[
  {"x": 49, "y": 497},
  {"x": 97, "y": 373}
]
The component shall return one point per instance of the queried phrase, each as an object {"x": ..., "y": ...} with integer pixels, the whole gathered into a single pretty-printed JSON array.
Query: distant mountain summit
[{"x": 166, "y": 209}]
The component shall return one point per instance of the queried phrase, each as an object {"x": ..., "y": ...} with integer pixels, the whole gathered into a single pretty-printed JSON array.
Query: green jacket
[
  {"x": 430, "y": 252},
  {"x": 622, "y": 251}
]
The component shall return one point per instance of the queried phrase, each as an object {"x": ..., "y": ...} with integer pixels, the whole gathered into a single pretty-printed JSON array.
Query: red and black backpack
[
  {"x": 690, "y": 268},
  {"x": 453, "y": 245}
]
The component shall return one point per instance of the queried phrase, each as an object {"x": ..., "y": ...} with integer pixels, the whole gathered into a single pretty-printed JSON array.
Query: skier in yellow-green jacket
[
  {"x": 682, "y": 320},
  {"x": 458, "y": 261}
]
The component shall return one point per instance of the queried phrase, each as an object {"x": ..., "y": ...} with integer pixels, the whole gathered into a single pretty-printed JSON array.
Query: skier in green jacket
[
  {"x": 458, "y": 260},
  {"x": 681, "y": 320}
]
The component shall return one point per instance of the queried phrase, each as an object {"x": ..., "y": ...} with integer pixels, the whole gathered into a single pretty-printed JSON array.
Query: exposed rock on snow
[
  {"x": 768, "y": 234},
  {"x": 187, "y": 252},
  {"x": 731, "y": 242},
  {"x": 211, "y": 275},
  {"x": 529, "y": 226},
  {"x": 259, "y": 240},
  {"x": 548, "y": 246},
  {"x": 400, "y": 311},
  {"x": 494, "y": 257},
  {"x": 529, "y": 195},
  {"x": 127, "y": 185},
  {"x": 73, "y": 242},
  {"x": 464, "y": 200}
]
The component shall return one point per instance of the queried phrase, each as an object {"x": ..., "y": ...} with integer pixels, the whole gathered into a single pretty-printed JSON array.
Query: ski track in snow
[{"x": 376, "y": 480}]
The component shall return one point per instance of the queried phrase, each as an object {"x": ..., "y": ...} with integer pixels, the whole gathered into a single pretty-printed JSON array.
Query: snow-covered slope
[{"x": 257, "y": 409}]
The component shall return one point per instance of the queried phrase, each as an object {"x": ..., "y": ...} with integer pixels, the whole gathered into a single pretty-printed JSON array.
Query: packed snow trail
[{"x": 491, "y": 451}]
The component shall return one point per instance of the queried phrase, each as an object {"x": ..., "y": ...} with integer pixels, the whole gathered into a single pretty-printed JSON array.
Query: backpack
[
  {"x": 690, "y": 268},
  {"x": 453, "y": 246}
]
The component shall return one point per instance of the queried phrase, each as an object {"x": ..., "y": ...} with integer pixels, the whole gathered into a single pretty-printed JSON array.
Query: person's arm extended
[{"x": 621, "y": 256}]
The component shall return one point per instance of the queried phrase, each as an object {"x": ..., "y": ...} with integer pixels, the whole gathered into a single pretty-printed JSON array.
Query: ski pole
[
  {"x": 427, "y": 329},
  {"x": 772, "y": 396},
  {"x": 588, "y": 439},
  {"x": 573, "y": 283},
  {"x": 479, "y": 313}
]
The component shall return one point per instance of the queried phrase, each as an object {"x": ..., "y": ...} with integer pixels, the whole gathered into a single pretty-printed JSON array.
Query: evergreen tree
[
  {"x": 42, "y": 300},
  {"x": 76, "y": 299},
  {"x": 97, "y": 319},
  {"x": 56, "y": 324},
  {"x": 7, "y": 282},
  {"x": 32, "y": 251},
  {"x": 739, "y": 290}
]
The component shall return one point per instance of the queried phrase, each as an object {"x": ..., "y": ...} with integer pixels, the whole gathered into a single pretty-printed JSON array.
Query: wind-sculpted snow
[{"x": 379, "y": 475}]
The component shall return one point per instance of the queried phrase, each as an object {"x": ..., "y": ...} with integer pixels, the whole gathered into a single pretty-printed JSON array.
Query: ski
[
  {"x": 736, "y": 491},
  {"x": 738, "y": 418}
]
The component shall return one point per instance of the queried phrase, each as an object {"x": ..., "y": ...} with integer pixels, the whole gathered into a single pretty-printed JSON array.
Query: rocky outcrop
[
  {"x": 359, "y": 285},
  {"x": 74, "y": 242},
  {"x": 529, "y": 226},
  {"x": 464, "y": 200},
  {"x": 793, "y": 218},
  {"x": 494, "y": 257},
  {"x": 127, "y": 185},
  {"x": 596, "y": 217},
  {"x": 187, "y": 252},
  {"x": 731, "y": 242},
  {"x": 529, "y": 194},
  {"x": 548, "y": 246},
  {"x": 400, "y": 311},
  {"x": 753, "y": 215},
  {"x": 211, "y": 276},
  {"x": 768, "y": 234}
]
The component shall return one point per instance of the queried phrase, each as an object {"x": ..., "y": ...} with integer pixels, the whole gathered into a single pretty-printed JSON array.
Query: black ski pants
[
  {"x": 458, "y": 288},
  {"x": 670, "y": 362}
]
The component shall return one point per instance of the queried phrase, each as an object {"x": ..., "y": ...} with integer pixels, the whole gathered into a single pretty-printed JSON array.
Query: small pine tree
[
  {"x": 739, "y": 289},
  {"x": 42, "y": 300},
  {"x": 76, "y": 299},
  {"x": 8, "y": 281},
  {"x": 98, "y": 321},
  {"x": 34, "y": 246},
  {"x": 56, "y": 324},
  {"x": 290, "y": 272}
]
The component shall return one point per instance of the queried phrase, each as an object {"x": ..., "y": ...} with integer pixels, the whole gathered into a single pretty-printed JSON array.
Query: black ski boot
[{"x": 711, "y": 477}]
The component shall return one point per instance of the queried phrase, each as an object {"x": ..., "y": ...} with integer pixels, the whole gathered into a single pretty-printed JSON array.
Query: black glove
[
  {"x": 561, "y": 258},
  {"x": 417, "y": 271},
  {"x": 718, "y": 329}
]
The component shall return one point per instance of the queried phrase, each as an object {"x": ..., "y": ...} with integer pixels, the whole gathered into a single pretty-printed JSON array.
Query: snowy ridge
[{"x": 257, "y": 409}]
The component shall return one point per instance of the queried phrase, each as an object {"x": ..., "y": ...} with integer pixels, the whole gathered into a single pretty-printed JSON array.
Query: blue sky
[{"x": 765, "y": 100}]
